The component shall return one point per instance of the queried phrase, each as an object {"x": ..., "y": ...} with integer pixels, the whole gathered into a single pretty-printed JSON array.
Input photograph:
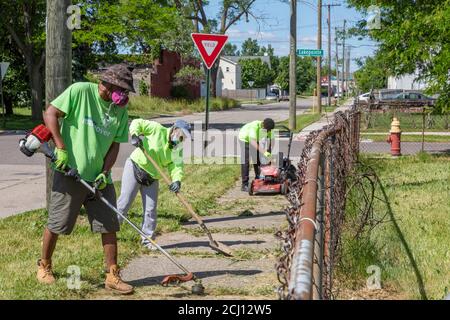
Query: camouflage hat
[{"x": 119, "y": 75}]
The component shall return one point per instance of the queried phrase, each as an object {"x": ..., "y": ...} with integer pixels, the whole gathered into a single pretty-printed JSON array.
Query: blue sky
[{"x": 273, "y": 28}]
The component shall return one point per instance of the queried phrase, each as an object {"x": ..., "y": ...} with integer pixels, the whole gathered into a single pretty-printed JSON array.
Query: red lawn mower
[{"x": 274, "y": 179}]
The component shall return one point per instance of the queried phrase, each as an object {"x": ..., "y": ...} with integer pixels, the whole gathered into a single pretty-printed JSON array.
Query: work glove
[
  {"x": 62, "y": 159},
  {"x": 175, "y": 186},
  {"x": 101, "y": 181},
  {"x": 267, "y": 154},
  {"x": 136, "y": 141}
]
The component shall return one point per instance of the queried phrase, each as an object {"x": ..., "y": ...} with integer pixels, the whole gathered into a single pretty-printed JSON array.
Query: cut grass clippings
[
  {"x": 21, "y": 236},
  {"x": 411, "y": 246}
]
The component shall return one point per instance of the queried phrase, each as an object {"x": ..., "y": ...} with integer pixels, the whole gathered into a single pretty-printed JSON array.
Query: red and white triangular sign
[{"x": 209, "y": 46}]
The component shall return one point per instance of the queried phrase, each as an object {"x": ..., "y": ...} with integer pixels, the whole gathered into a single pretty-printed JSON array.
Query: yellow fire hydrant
[{"x": 394, "y": 138}]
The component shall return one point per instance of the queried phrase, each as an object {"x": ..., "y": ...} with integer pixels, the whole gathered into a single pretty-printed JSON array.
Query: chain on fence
[{"x": 310, "y": 245}]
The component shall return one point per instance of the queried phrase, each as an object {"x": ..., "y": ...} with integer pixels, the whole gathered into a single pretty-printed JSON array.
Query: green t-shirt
[
  {"x": 253, "y": 131},
  {"x": 89, "y": 127},
  {"x": 156, "y": 143}
]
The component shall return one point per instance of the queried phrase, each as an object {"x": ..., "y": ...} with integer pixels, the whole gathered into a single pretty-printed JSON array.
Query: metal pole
[
  {"x": 208, "y": 80},
  {"x": 1, "y": 101},
  {"x": 329, "y": 55},
  {"x": 293, "y": 67},
  {"x": 319, "y": 59},
  {"x": 343, "y": 58},
  {"x": 337, "y": 63}
]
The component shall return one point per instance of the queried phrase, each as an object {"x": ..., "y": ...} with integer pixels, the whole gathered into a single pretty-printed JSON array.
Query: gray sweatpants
[{"x": 149, "y": 195}]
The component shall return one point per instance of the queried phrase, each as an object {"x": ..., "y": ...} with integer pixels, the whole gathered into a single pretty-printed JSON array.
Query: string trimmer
[{"x": 37, "y": 142}]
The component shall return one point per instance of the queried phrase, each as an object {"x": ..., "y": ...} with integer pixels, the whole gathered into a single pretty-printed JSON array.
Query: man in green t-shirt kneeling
[{"x": 94, "y": 123}]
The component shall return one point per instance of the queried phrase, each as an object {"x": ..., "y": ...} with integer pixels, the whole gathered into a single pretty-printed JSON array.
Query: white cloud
[{"x": 236, "y": 34}]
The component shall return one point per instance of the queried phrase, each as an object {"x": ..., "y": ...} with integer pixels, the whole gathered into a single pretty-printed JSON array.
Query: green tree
[
  {"x": 230, "y": 50},
  {"x": 414, "y": 35},
  {"x": 230, "y": 12},
  {"x": 372, "y": 73},
  {"x": 305, "y": 71},
  {"x": 250, "y": 47},
  {"x": 256, "y": 70},
  {"x": 24, "y": 21},
  {"x": 189, "y": 75}
]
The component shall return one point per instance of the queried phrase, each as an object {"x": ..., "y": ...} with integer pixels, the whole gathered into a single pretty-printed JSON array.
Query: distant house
[
  {"x": 406, "y": 82},
  {"x": 229, "y": 76},
  {"x": 160, "y": 75}
]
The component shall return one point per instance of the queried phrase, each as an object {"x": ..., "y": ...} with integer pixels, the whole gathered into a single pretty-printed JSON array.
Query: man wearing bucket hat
[
  {"x": 164, "y": 145},
  {"x": 94, "y": 121}
]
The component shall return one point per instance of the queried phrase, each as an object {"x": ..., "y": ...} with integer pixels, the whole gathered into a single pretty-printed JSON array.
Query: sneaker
[
  {"x": 115, "y": 283},
  {"x": 45, "y": 273},
  {"x": 244, "y": 188}
]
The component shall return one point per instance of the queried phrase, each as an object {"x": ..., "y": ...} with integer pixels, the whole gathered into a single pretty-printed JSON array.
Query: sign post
[
  {"x": 250, "y": 84},
  {"x": 209, "y": 46},
  {"x": 3, "y": 68}
]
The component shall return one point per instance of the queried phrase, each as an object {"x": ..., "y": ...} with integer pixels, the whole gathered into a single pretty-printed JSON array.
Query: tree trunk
[
  {"x": 37, "y": 88},
  {"x": 214, "y": 72},
  {"x": 7, "y": 100},
  {"x": 35, "y": 80}
]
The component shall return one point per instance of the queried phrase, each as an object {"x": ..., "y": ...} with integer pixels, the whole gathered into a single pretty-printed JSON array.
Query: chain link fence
[
  {"x": 310, "y": 245},
  {"x": 422, "y": 129}
]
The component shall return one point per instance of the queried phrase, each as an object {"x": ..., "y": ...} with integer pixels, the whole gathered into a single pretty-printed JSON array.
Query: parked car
[
  {"x": 272, "y": 96},
  {"x": 414, "y": 96},
  {"x": 364, "y": 98}
]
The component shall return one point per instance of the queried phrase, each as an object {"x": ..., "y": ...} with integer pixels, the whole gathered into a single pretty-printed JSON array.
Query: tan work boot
[
  {"x": 44, "y": 273},
  {"x": 115, "y": 283}
]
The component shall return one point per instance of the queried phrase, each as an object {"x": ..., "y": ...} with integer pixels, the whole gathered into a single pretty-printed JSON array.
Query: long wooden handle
[{"x": 179, "y": 195}]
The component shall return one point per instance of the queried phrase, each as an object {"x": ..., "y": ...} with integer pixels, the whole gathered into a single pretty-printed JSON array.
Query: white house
[
  {"x": 406, "y": 82},
  {"x": 230, "y": 72}
]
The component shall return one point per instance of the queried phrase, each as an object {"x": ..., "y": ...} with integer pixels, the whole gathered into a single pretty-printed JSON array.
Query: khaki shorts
[{"x": 68, "y": 196}]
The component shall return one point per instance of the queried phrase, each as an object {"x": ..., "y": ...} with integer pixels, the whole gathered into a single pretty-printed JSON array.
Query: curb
[{"x": 7, "y": 132}]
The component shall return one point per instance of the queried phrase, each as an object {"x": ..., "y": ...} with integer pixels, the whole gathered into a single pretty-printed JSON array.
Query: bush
[
  {"x": 179, "y": 92},
  {"x": 143, "y": 88}
]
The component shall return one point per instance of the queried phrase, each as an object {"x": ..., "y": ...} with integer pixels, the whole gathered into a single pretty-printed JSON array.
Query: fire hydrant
[{"x": 394, "y": 138}]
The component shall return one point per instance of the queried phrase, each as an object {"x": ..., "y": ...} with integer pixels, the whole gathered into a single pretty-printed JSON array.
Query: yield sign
[{"x": 209, "y": 46}]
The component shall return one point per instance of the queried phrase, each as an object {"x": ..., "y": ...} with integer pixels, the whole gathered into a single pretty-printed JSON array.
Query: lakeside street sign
[{"x": 310, "y": 52}]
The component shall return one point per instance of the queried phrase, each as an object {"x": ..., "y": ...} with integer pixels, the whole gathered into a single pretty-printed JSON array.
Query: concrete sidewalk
[{"x": 325, "y": 120}]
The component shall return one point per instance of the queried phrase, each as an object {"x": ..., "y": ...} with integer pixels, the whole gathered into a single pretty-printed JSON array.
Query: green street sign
[{"x": 310, "y": 52}]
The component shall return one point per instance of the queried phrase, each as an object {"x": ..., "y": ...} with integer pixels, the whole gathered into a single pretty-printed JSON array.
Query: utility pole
[
  {"x": 329, "y": 51},
  {"x": 319, "y": 59},
  {"x": 58, "y": 63},
  {"x": 337, "y": 62},
  {"x": 343, "y": 58},
  {"x": 293, "y": 67}
]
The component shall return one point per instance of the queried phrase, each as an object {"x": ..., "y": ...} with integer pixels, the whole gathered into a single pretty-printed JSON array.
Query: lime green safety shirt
[
  {"x": 89, "y": 127},
  {"x": 156, "y": 143},
  {"x": 253, "y": 131}
]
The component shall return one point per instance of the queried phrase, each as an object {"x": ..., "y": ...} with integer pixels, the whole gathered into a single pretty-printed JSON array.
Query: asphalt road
[{"x": 23, "y": 179}]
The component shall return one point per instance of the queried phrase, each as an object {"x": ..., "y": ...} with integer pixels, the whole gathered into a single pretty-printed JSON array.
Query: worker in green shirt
[
  {"x": 250, "y": 137},
  {"x": 88, "y": 121},
  {"x": 164, "y": 145}
]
